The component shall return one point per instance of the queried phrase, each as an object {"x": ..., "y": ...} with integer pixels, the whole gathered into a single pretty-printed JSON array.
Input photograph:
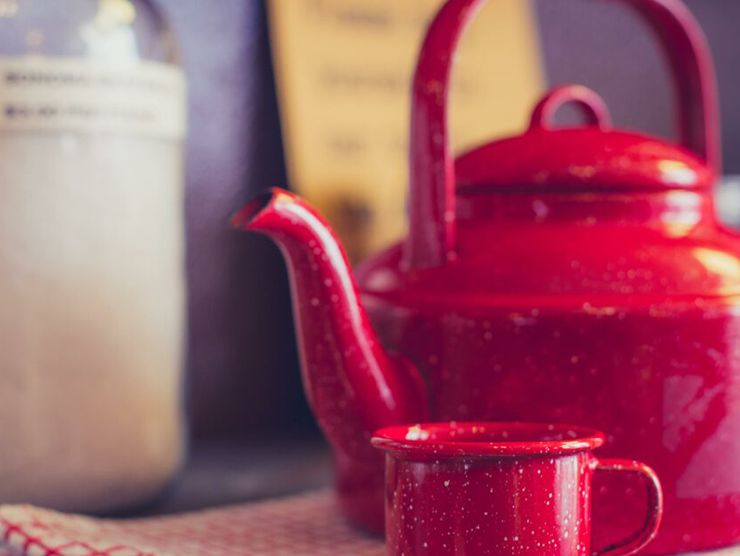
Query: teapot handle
[{"x": 432, "y": 237}]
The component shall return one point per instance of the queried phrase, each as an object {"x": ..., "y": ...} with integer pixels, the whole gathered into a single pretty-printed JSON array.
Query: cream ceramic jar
[{"x": 92, "y": 309}]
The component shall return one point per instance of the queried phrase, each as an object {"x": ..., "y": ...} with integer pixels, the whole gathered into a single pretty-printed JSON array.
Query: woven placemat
[
  {"x": 298, "y": 526},
  {"x": 307, "y": 525}
]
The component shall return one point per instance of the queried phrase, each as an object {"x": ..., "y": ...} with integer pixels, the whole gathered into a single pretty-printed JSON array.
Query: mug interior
[{"x": 487, "y": 439}]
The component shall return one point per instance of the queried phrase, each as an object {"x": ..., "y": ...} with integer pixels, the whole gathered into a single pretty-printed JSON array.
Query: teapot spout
[{"x": 353, "y": 386}]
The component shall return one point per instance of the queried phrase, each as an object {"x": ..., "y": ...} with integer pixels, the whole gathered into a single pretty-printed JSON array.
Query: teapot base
[{"x": 360, "y": 487}]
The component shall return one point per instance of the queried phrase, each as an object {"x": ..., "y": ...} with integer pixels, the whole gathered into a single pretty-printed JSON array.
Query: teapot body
[
  {"x": 616, "y": 314},
  {"x": 663, "y": 383}
]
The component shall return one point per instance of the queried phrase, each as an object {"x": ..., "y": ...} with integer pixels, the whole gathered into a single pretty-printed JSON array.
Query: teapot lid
[{"x": 590, "y": 158}]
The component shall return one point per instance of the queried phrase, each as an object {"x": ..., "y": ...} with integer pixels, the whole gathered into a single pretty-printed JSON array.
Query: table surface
[{"x": 238, "y": 470}]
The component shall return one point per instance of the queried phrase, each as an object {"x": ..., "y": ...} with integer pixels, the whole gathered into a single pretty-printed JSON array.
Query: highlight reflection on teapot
[{"x": 569, "y": 275}]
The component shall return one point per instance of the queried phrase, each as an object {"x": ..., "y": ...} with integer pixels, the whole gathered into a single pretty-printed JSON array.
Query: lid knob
[{"x": 592, "y": 106}]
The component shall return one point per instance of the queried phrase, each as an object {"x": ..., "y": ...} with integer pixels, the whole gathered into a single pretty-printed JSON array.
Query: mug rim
[{"x": 444, "y": 439}]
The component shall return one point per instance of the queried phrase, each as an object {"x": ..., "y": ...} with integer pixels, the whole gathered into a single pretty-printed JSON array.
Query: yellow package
[{"x": 344, "y": 70}]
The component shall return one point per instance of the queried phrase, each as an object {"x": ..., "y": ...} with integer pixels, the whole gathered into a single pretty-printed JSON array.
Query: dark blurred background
[{"x": 244, "y": 376}]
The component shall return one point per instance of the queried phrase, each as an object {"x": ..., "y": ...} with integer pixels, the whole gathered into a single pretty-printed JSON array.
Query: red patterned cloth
[{"x": 307, "y": 525}]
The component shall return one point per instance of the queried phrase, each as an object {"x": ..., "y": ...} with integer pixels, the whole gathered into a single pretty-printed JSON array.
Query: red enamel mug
[{"x": 500, "y": 489}]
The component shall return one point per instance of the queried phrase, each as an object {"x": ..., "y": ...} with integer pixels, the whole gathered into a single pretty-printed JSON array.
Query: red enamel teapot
[{"x": 571, "y": 275}]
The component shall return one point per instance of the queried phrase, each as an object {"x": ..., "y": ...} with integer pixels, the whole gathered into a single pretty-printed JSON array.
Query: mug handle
[{"x": 655, "y": 505}]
